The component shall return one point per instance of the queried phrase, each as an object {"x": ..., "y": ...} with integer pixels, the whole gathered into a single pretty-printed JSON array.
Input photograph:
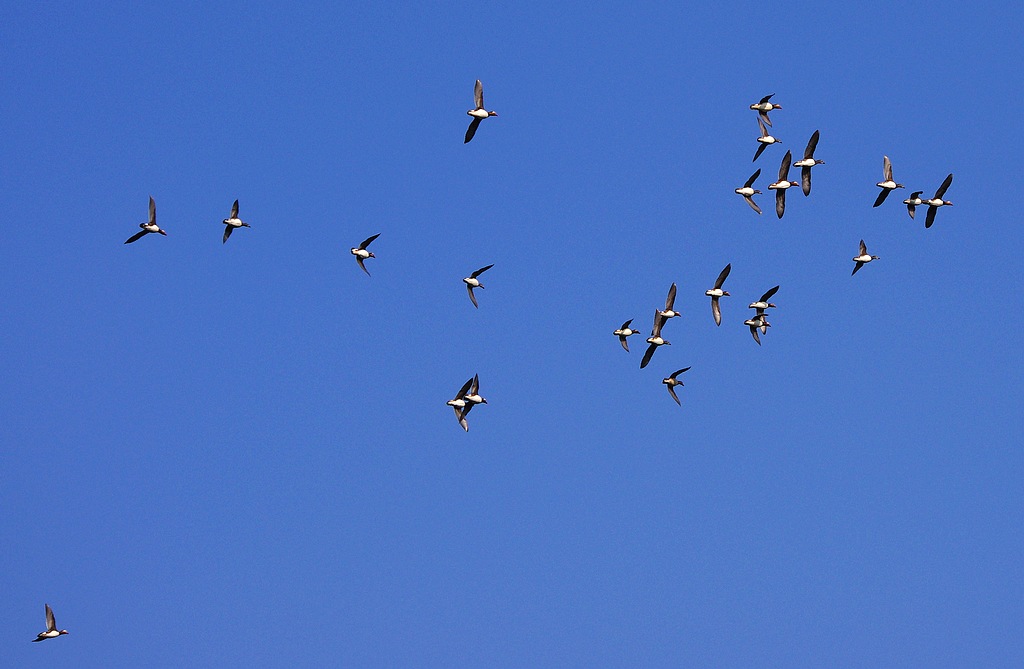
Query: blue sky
[{"x": 239, "y": 455}]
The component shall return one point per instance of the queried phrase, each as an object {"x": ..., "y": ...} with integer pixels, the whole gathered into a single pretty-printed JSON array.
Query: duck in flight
[
  {"x": 913, "y": 201},
  {"x": 887, "y": 184},
  {"x": 807, "y": 163},
  {"x": 479, "y": 113},
  {"x": 625, "y": 331},
  {"x": 937, "y": 201},
  {"x": 655, "y": 340},
  {"x": 232, "y": 222},
  {"x": 472, "y": 282},
  {"x": 748, "y": 191},
  {"x": 757, "y": 322},
  {"x": 763, "y": 303},
  {"x": 362, "y": 254},
  {"x": 717, "y": 292},
  {"x": 51, "y": 627},
  {"x": 671, "y": 382},
  {"x": 763, "y": 107},
  {"x": 863, "y": 258},
  {"x": 782, "y": 184},
  {"x": 764, "y": 140},
  {"x": 149, "y": 226}
]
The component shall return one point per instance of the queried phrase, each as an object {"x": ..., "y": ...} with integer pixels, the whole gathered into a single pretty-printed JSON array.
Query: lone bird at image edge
[
  {"x": 149, "y": 226},
  {"x": 479, "y": 113},
  {"x": 51, "y": 627},
  {"x": 232, "y": 222},
  {"x": 362, "y": 254}
]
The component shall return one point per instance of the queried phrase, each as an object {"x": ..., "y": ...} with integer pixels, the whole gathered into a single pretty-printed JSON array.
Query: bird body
[
  {"x": 361, "y": 253},
  {"x": 232, "y": 222},
  {"x": 478, "y": 113},
  {"x": 51, "y": 631}
]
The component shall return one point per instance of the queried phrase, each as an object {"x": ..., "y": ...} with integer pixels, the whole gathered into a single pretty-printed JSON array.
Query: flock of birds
[{"x": 469, "y": 396}]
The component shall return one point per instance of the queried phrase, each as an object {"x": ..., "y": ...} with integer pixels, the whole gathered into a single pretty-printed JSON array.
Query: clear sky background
[{"x": 240, "y": 455}]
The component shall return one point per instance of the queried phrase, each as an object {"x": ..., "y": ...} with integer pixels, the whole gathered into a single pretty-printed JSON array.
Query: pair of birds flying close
[
  {"x": 464, "y": 400},
  {"x": 150, "y": 226}
]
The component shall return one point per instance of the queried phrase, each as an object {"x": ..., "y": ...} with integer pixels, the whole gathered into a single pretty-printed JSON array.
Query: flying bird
[
  {"x": 655, "y": 340},
  {"x": 717, "y": 292},
  {"x": 887, "y": 184},
  {"x": 668, "y": 311},
  {"x": 51, "y": 627},
  {"x": 862, "y": 259},
  {"x": 937, "y": 201},
  {"x": 807, "y": 163},
  {"x": 625, "y": 331},
  {"x": 362, "y": 254},
  {"x": 782, "y": 184},
  {"x": 472, "y": 282},
  {"x": 232, "y": 222},
  {"x": 755, "y": 323},
  {"x": 479, "y": 113},
  {"x": 763, "y": 107},
  {"x": 748, "y": 191},
  {"x": 671, "y": 382},
  {"x": 764, "y": 140},
  {"x": 913, "y": 201},
  {"x": 149, "y": 226},
  {"x": 763, "y": 303}
]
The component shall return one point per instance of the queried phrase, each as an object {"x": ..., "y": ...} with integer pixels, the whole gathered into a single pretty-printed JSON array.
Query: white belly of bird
[
  {"x": 714, "y": 292},
  {"x": 863, "y": 258},
  {"x": 767, "y": 140},
  {"x": 233, "y": 222},
  {"x": 744, "y": 191},
  {"x": 933, "y": 203},
  {"x": 780, "y": 185},
  {"x": 152, "y": 228},
  {"x": 362, "y": 253},
  {"x": 888, "y": 185},
  {"x": 806, "y": 162},
  {"x": 473, "y": 282},
  {"x": 478, "y": 113}
]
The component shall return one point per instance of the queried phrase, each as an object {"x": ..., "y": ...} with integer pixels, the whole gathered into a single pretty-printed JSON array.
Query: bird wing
[
  {"x": 51, "y": 622},
  {"x": 464, "y": 389},
  {"x": 480, "y": 271},
  {"x": 625, "y": 344},
  {"x": 723, "y": 275},
  {"x": 136, "y": 236},
  {"x": 626, "y": 324},
  {"x": 766, "y": 99},
  {"x": 764, "y": 115},
  {"x": 475, "y": 388},
  {"x": 360, "y": 261},
  {"x": 886, "y": 169},
  {"x": 478, "y": 95},
  {"x": 945, "y": 184},
  {"x": 753, "y": 205},
  {"x": 805, "y": 180},
  {"x": 678, "y": 372},
  {"x": 671, "y": 299},
  {"x": 760, "y": 150},
  {"x": 857, "y": 267},
  {"x": 471, "y": 130},
  {"x": 368, "y": 241},
  {"x": 472, "y": 297},
  {"x": 780, "y": 202},
  {"x": 753, "y": 178},
  {"x": 812, "y": 144},
  {"x": 716, "y": 311},
  {"x": 234, "y": 210},
  {"x": 647, "y": 355},
  {"x": 659, "y": 320},
  {"x": 672, "y": 392},
  {"x": 152, "y": 210},
  {"x": 784, "y": 167},
  {"x": 753, "y": 331},
  {"x": 863, "y": 248},
  {"x": 760, "y": 124},
  {"x": 227, "y": 232},
  {"x": 881, "y": 197},
  {"x": 767, "y": 296},
  {"x": 930, "y": 217}
]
